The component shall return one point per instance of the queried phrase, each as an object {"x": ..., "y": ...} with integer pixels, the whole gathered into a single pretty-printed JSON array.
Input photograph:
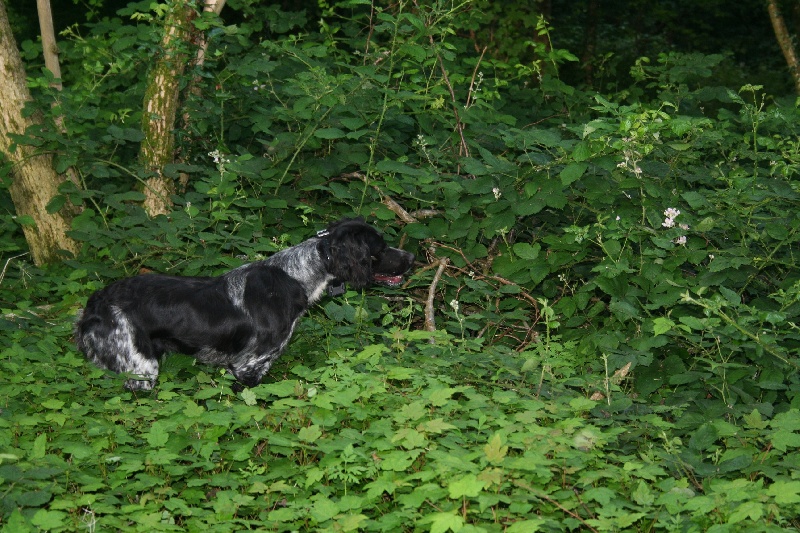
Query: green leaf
[
  {"x": 526, "y": 526},
  {"x": 323, "y": 509},
  {"x": 310, "y": 433},
  {"x": 572, "y": 173},
  {"x": 443, "y": 522},
  {"x": 662, "y": 325},
  {"x": 785, "y": 492},
  {"x": 45, "y": 519},
  {"x": 439, "y": 397},
  {"x": 249, "y": 397},
  {"x": 582, "y": 152},
  {"x": 329, "y": 133},
  {"x": 494, "y": 450},
  {"x": 25, "y": 220},
  {"x": 281, "y": 389},
  {"x": 468, "y": 486},
  {"x": 53, "y": 403},
  {"x": 39, "y": 448},
  {"x": 730, "y": 296},
  {"x": 159, "y": 433},
  {"x": 527, "y": 251}
]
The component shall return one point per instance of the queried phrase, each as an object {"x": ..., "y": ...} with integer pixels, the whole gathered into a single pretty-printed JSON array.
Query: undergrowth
[
  {"x": 368, "y": 428},
  {"x": 612, "y": 277}
]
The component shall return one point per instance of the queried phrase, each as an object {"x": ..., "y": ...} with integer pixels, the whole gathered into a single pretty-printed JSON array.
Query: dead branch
[
  {"x": 386, "y": 200},
  {"x": 484, "y": 277},
  {"x": 430, "y": 320}
]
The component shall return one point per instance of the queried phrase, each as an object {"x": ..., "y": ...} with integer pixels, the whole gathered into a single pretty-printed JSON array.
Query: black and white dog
[{"x": 241, "y": 320}]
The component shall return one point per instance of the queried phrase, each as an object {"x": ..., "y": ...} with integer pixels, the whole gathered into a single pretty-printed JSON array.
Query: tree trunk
[
  {"x": 50, "y": 52},
  {"x": 161, "y": 101},
  {"x": 34, "y": 183},
  {"x": 784, "y": 41}
]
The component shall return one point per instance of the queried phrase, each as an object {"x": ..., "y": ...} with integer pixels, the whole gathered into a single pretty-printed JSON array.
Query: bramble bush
[{"x": 617, "y": 319}]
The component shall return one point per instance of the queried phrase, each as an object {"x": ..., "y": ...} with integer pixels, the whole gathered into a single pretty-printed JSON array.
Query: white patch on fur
[
  {"x": 236, "y": 284},
  {"x": 128, "y": 358}
]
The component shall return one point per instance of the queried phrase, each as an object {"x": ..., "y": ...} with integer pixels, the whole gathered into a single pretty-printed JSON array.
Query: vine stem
[{"x": 740, "y": 329}]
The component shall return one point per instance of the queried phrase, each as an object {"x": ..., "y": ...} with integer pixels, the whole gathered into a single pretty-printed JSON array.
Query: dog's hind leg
[{"x": 109, "y": 341}]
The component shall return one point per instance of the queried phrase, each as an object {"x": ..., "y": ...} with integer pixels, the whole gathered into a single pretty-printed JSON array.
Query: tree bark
[
  {"x": 49, "y": 46},
  {"x": 161, "y": 100},
  {"x": 784, "y": 41},
  {"x": 34, "y": 183},
  {"x": 50, "y": 52}
]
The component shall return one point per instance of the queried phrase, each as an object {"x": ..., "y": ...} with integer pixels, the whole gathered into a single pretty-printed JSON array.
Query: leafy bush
[{"x": 616, "y": 343}]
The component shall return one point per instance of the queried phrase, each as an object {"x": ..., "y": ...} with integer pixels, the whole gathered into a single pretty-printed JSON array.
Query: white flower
[
  {"x": 671, "y": 214},
  {"x": 497, "y": 193},
  {"x": 680, "y": 240}
]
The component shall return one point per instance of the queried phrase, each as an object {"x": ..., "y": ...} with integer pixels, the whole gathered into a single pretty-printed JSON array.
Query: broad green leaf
[
  {"x": 527, "y": 251},
  {"x": 159, "y": 433},
  {"x": 443, "y": 522},
  {"x": 526, "y": 526},
  {"x": 440, "y": 397},
  {"x": 310, "y": 433},
  {"x": 323, "y": 509},
  {"x": 494, "y": 450},
  {"x": 45, "y": 519},
  {"x": 248, "y": 396},
  {"x": 572, "y": 173},
  {"x": 53, "y": 403},
  {"x": 467, "y": 486},
  {"x": 329, "y": 133},
  {"x": 39, "y": 448},
  {"x": 785, "y": 492},
  {"x": 662, "y": 325}
]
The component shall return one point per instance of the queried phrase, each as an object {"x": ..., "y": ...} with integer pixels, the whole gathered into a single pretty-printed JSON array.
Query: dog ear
[{"x": 351, "y": 260}]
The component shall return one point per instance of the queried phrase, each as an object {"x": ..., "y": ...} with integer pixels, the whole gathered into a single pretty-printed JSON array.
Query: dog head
[{"x": 355, "y": 253}]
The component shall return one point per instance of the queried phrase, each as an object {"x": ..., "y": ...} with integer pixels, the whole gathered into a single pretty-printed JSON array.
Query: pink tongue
[{"x": 388, "y": 279}]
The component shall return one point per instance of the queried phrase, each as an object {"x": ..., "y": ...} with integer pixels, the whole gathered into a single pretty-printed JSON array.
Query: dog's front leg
[{"x": 252, "y": 370}]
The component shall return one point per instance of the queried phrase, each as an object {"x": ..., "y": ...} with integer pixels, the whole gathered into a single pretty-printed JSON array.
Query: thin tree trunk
[
  {"x": 34, "y": 183},
  {"x": 193, "y": 90},
  {"x": 50, "y": 52},
  {"x": 161, "y": 105},
  {"x": 784, "y": 41}
]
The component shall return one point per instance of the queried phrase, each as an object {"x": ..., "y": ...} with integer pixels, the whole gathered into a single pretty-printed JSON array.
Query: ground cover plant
[{"x": 601, "y": 334}]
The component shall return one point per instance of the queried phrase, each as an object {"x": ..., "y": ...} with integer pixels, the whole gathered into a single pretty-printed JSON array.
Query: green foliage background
[{"x": 601, "y": 361}]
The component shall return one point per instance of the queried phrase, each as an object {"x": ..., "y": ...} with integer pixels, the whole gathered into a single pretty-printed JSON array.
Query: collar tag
[
  {"x": 323, "y": 233},
  {"x": 336, "y": 288}
]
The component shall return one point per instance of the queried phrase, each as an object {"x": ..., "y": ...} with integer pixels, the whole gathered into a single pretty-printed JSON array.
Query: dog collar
[{"x": 336, "y": 288}]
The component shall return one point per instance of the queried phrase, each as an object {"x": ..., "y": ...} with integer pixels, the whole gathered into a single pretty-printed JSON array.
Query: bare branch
[{"x": 430, "y": 320}]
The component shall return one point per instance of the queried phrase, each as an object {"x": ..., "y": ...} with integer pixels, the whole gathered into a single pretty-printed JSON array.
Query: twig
[
  {"x": 430, "y": 320},
  {"x": 393, "y": 206},
  {"x": 540, "y": 494},
  {"x": 464, "y": 151},
  {"x": 472, "y": 81},
  {"x": 426, "y": 213},
  {"x": 503, "y": 281},
  {"x": 386, "y": 200},
  {"x": 8, "y": 261}
]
